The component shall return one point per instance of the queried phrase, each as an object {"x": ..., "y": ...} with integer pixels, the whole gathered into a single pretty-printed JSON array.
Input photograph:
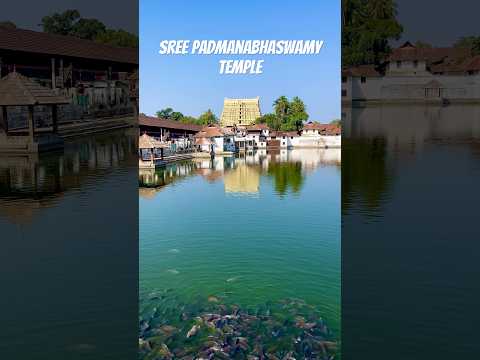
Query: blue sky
[{"x": 192, "y": 84}]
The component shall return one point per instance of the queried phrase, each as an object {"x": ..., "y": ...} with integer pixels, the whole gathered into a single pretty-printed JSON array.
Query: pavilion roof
[
  {"x": 17, "y": 90},
  {"x": 28, "y": 41},
  {"x": 148, "y": 142}
]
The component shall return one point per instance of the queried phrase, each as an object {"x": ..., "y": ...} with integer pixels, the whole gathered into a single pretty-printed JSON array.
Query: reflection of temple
[
  {"x": 242, "y": 173},
  {"x": 242, "y": 179},
  {"x": 31, "y": 182}
]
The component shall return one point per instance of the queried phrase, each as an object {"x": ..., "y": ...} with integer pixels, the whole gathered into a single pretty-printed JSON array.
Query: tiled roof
[
  {"x": 286, "y": 133},
  {"x": 209, "y": 132},
  {"x": 148, "y": 142},
  {"x": 473, "y": 64},
  {"x": 324, "y": 129},
  {"x": 45, "y": 43},
  {"x": 151, "y": 121},
  {"x": 411, "y": 53},
  {"x": 361, "y": 70},
  {"x": 16, "y": 90}
]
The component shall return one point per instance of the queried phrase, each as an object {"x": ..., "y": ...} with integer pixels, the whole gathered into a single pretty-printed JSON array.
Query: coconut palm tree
[{"x": 281, "y": 106}]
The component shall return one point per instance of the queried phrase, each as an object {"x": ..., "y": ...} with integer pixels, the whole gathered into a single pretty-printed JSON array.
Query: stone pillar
[
  {"x": 61, "y": 74},
  {"x": 53, "y": 73}
]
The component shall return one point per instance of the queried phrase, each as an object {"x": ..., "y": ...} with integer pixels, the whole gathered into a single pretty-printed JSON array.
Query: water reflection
[
  {"x": 69, "y": 258},
  {"x": 242, "y": 174},
  {"x": 379, "y": 140},
  {"x": 410, "y": 195},
  {"x": 31, "y": 182}
]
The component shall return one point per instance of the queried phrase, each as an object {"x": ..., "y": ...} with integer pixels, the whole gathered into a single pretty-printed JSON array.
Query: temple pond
[{"x": 250, "y": 244}]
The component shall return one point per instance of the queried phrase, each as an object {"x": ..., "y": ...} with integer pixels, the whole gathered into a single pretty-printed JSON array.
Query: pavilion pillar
[
  {"x": 4, "y": 119},
  {"x": 61, "y": 74},
  {"x": 53, "y": 72},
  {"x": 54, "y": 118},
  {"x": 31, "y": 122}
]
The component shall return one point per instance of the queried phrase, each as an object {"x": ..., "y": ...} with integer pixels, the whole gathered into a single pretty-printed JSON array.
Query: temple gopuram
[{"x": 240, "y": 111}]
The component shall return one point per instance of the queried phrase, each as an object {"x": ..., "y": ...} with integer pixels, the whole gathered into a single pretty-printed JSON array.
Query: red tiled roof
[
  {"x": 411, "y": 53},
  {"x": 324, "y": 129},
  {"x": 473, "y": 64},
  {"x": 361, "y": 70},
  {"x": 286, "y": 133},
  {"x": 45, "y": 43},
  {"x": 209, "y": 132},
  {"x": 152, "y": 121}
]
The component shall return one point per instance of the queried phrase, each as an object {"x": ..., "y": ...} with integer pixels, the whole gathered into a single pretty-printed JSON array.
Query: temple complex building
[{"x": 240, "y": 111}]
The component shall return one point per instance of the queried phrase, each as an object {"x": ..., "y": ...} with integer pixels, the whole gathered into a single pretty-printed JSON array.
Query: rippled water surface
[{"x": 248, "y": 230}]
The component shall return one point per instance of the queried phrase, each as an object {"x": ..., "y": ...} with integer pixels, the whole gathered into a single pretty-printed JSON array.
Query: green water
[{"x": 248, "y": 230}]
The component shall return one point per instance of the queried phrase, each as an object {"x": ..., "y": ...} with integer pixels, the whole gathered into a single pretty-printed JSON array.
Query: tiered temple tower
[{"x": 240, "y": 111}]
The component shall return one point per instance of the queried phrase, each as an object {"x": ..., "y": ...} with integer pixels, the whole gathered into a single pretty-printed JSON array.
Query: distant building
[
  {"x": 240, "y": 111},
  {"x": 433, "y": 75},
  {"x": 251, "y": 136},
  {"x": 213, "y": 138}
]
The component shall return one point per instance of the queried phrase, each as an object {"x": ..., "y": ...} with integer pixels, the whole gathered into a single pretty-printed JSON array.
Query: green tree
[
  {"x": 281, "y": 106},
  {"x": 119, "y": 37},
  {"x": 164, "y": 113},
  {"x": 297, "y": 114},
  {"x": 271, "y": 120},
  {"x": 469, "y": 42},
  {"x": 176, "y": 115},
  {"x": 337, "y": 122},
  {"x": 288, "y": 115},
  {"x": 296, "y": 106},
  {"x": 207, "y": 118},
  {"x": 60, "y": 23},
  {"x": 88, "y": 29},
  {"x": 367, "y": 27},
  {"x": 71, "y": 23},
  {"x": 189, "y": 120}
]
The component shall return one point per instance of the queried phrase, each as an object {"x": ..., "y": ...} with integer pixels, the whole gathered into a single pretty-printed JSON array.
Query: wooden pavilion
[{"x": 18, "y": 90}]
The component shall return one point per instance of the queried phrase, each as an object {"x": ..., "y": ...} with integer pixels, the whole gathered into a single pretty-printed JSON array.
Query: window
[
  {"x": 291, "y": 137},
  {"x": 399, "y": 64},
  {"x": 415, "y": 63},
  {"x": 344, "y": 93},
  {"x": 344, "y": 79},
  {"x": 283, "y": 137},
  {"x": 363, "y": 79}
]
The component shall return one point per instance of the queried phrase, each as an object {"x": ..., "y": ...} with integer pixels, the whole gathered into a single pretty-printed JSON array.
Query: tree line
[
  {"x": 207, "y": 118},
  {"x": 71, "y": 23},
  {"x": 287, "y": 116},
  {"x": 369, "y": 25}
]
